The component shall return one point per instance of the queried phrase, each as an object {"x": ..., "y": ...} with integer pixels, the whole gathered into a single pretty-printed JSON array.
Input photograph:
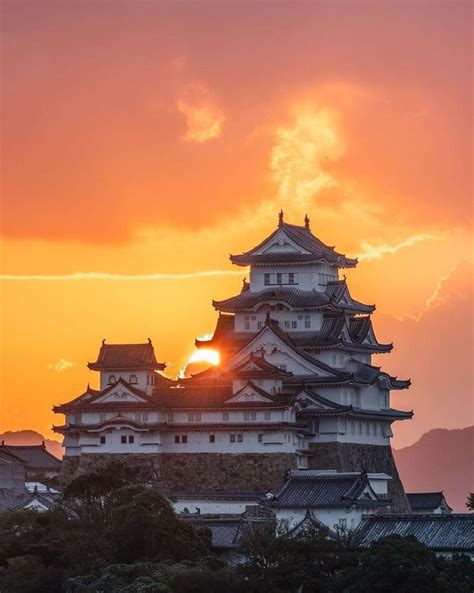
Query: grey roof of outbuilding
[
  {"x": 425, "y": 501},
  {"x": 225, "y": 532},
  {"x": 322, "y": 491},
  {"x": 449, "y": 532},
  {"x": 34, "y": 456}
]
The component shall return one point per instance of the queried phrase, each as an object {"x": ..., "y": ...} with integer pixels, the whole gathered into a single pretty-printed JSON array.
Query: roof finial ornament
[
  {"x": 103, "y": 341},
  {"x": 149, "y": 340},
  {"x": 306, "y": 221},
  {"x": 280, "y": 218}
]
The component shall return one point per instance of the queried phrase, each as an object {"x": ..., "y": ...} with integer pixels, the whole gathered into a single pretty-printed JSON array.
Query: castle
[{"x": 295, "y": 389}]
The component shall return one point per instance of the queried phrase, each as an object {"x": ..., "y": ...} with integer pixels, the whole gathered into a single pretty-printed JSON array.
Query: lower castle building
[{"x": 295, "y": 389}]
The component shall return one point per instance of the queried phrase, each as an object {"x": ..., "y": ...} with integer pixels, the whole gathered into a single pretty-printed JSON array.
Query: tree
[
  {"x": 143, "y": 526},
  {"x": 400, "y": 564},
  {"x": 470, "y": 501}
]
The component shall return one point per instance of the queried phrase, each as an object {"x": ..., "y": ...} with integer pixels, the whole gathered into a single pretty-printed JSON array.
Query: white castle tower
[{"x": 295, "y": 388}]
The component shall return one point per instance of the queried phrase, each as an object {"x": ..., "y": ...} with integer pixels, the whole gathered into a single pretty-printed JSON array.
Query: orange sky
[{"x": 152, "y": 139}]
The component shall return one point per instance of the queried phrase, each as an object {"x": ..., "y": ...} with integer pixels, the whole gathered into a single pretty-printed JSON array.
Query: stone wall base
[
  {"x": 369, "y": 458},
  {"x": 257, "y": 472}
]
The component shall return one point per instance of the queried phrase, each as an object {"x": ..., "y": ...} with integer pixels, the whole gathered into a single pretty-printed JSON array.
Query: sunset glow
[{"x": 168, "y": 141}]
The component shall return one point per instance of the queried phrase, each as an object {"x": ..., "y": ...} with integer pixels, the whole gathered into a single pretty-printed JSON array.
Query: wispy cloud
[
  {"x": 61, "y": 366},
  {"x": 301, "y": 151},
  {"x": 120, "y": 277},
  {"x": 370, "y": 251},
  {"x": 204, "y": 120}
]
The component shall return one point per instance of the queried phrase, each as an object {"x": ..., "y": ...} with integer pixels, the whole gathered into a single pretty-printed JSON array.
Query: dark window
[
  {"x": 112, "y": 379},
  {"x": 232, "y": 438},
  {"x": 123, "y": 440},
  {"x": 240, "y": 438},
  {"x": 291, "y": 278},
  {"x": 260, "y": 438},
  {"x": 184, "y": 438},
  {"x": 133, "y": 379},
  {"x": 131, "y": 439},
  {"x": 176, "y": 438},
  {"x": 279, "y": 278},
  {"x": 212, "y": 438},
  {"x": 102, "y": 440},
  {"x": 266, "y": 278}
]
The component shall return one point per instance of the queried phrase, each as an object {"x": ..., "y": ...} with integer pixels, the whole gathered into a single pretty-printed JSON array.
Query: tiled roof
[
  {"x": 449, "y": 532},
  {"x": 294, "y": 297},
  {"x": 126, "y": 356},
  {"x": 34, "y": 456},
  {"x": 425, "y": 501},
  {"x": 322, "y": 491},
  {"x": 218, "y": 495},
  {"x": 315, "y": 249},
  {"x": 90, "y": 396},
  {"x": 225, "y": 532}
]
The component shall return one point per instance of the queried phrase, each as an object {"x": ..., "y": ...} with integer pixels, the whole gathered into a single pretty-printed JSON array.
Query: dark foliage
[{"x": 111, "y": 534}]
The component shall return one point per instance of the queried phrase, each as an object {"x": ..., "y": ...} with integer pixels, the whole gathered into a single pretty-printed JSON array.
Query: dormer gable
[
  {"x": 121, "y": 391},
  {"x": 251, "y": 393},
  {"x": 280, "y": 242}
]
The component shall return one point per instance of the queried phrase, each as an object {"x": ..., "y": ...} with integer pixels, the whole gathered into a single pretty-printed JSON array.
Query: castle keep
[{"x": 295, "y": 389}]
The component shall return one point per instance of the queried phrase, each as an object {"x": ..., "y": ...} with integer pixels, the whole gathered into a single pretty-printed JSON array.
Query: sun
[{"x": 205, "y": 355}]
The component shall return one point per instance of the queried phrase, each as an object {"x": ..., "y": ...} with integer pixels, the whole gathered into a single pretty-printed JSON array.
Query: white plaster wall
[
  {"x": 257, "y": 320},
  {"x": 218, "y": 507},
  {"x": 145, "y": 379},
  {"x": 330, "y": 517},
  {"x": 307, "y": 276}
]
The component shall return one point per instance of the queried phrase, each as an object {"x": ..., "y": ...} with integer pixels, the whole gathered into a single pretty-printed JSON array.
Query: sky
[{"x": 143, "y": 142}]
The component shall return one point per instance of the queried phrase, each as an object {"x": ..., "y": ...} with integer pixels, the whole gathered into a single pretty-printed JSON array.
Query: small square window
[
  {"x": 260, "y": 438},
  {"x": 279, "y": 279},
  {"x": 259, "y": 324},
  {"x": 212, "y": 438},
  {"x": 176, "y": 438},
  {"x": 131, "y": 439},
  {"x": 294, "y": 324},
  {"x": 232, "y": 438},
  {"x": 123, "y": 440},
  {"x": 266, "y": 279},
  {"x": 240, "y": 438},
  {"x": 102, "y": 440},
  {"x": 184, "y": 438},
  {"x": 291, "y": 278}
]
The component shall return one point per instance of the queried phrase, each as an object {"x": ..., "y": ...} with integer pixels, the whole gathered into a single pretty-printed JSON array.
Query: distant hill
[
  {"x": 441, "y": 459},
  {"x": 31, "y": 437}
]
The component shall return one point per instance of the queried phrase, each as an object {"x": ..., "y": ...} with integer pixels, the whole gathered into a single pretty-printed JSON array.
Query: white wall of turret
[
  {"x": 349, "y": 429},
  {"x": 303, "y": 277},
  {"x": 141, "y": 379}
]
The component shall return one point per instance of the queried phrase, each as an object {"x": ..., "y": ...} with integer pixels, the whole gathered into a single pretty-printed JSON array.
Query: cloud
[
  {"x": 301, "y": 152},
  {"x": 370, "y": 251},
  {"x": 120, "y": 277},
  {"x": 61, "y": 366},
  {"x": 204, "y": 120}
]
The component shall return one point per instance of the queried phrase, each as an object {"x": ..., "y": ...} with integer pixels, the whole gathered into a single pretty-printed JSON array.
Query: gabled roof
[
  {"x": 426, "y": 501},
  {"x": 90, "y": 396},
  {"x": 310, "y": 249},
  {"x": 449, "y": 532},
  {"x": 325, "y": 490},
  {"x": 115, "y": 357},
  {"x": 33, "y": 456},
  {"x": 259, "y": 367},
  {"x": 273, "y": 326}
]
